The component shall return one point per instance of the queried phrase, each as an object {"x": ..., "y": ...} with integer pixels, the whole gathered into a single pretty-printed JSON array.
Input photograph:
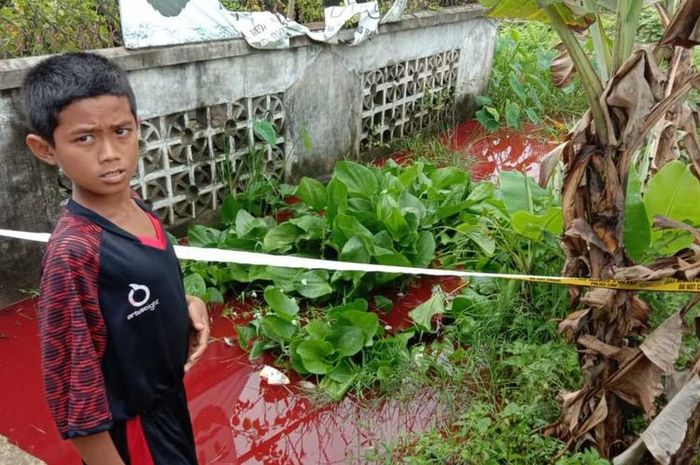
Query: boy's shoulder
[{"x": 74, "y": 235}]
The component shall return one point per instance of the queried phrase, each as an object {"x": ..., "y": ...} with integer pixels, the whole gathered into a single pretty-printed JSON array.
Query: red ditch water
[
  {"x": 237, "y": 417},
  {"x": 502, "y": 150}
]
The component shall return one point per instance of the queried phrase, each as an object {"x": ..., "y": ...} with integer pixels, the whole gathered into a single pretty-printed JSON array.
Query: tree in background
[{"x": 638, "y": 120}]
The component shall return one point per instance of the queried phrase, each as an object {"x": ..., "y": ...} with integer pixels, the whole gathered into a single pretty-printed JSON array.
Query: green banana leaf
[{"x": 573, "y": 14}]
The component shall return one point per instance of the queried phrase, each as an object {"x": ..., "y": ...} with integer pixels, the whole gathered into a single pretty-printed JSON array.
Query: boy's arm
[
  {"x": 199, "y": 333},
  {"x": 97, "y": 449}
]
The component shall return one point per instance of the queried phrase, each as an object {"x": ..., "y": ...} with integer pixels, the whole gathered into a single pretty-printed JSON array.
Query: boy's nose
[{"x": 109, "y": 152}]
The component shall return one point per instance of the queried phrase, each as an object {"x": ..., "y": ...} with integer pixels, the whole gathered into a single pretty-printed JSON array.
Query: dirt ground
[{"x": 11, "y": 454}]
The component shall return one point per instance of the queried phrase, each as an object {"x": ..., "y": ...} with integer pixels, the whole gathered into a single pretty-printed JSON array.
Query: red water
[
  {"x": 237, "y": 417},
  {"x": 502, "y": 150}
]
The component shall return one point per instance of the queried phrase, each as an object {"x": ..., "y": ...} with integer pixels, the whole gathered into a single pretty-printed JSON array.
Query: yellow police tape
[
  {"x": 286, "y": 261},
  {"x": 663, "y": 285}
]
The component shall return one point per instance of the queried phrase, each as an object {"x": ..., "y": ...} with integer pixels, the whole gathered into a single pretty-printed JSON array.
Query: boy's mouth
[{"x": 113, "y": 176}]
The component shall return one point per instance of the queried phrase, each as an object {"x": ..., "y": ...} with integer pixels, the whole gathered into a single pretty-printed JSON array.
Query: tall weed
[{"x": 521, "y": 87}]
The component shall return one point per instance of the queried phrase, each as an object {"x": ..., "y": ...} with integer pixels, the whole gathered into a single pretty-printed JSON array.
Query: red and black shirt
[{"x": 113, "y": 321}]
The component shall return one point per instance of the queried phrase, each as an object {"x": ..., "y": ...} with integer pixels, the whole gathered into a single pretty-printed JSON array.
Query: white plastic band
[{"x": 288, "y": 261}]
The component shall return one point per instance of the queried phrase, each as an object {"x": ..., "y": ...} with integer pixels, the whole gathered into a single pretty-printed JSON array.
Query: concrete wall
[{"x": 198, "y": 103}]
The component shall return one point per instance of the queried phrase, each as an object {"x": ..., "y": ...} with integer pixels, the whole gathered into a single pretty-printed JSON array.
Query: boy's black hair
[{"x": 60, "y": 80}]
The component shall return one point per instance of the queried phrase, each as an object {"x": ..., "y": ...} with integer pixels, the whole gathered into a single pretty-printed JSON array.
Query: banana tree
[{"x": 629, "y": 93}]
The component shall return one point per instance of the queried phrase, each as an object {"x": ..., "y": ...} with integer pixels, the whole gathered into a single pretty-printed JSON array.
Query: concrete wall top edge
[{"x": 12, "y": 71}]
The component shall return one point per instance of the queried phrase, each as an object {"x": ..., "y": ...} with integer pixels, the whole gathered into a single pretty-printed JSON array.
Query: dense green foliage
[
  {"x": 38, "y": 28},
  {"x": 490, "y": 350},
  {"x": 521, "y": 87}
]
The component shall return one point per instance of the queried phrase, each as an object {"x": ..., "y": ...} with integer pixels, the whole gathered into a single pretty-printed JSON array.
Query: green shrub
[
  {"x": 38, "y": 28},
  {"x": 521, "y": 87}
]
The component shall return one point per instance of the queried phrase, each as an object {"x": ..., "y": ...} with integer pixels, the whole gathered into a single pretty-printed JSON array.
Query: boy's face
[{"x": 96, "y": 145}]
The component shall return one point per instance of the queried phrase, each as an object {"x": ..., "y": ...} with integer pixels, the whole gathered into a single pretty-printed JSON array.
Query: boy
[{"x": 117, "y": 331}]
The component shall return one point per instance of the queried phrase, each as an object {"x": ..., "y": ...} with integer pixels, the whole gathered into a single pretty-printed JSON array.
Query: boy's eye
[
  {"x": 84, "y": 139},
  {"x": 123, "y": 131}
]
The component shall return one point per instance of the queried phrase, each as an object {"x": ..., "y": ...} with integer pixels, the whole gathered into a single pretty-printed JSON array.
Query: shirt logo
[{"x": 136, "y": 290}]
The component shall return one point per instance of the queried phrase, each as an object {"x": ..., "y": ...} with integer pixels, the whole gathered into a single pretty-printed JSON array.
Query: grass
[
  {"x": 505, "y": 371},
  {"x": 429, "y": 146}
]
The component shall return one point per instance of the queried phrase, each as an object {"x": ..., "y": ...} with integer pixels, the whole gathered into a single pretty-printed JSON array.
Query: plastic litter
[{"x": 273, "y": 376}]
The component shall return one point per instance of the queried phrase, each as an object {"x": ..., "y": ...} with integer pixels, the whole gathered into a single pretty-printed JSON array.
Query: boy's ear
[{"x": 41, "y": 148}]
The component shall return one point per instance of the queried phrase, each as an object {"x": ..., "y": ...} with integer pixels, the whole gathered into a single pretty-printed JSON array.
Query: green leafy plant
[
  {"x": 39, "y": 28},
  {"x": 329, "y": 346},
  {"x": 521, "y": 86}
]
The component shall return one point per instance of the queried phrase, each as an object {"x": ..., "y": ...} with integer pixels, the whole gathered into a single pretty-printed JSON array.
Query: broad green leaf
[
  {"x": 342, "y": 373},
  {"x": 314, "y": 284},
  {"x": 283, "y": 306},
  {"x": 247, "y": 223},
  {"x": 313, "y": 353},
  {"x": 313, "y": 193},
  {"x": 674, "y": 193},
  {"x": 357, "y": 304},
  {"x": 533, "y": 116},
  {"x": 487, "y": 120},
  {"x": 480, "y": 235},
  {"x": 533, "y": 226},
  {"x": 281, "y": 237},
  {"x": 383, "y": 303},
  {"x": 234, "y": 272},
  {"x": 345, "y": 226},
  {"x": 337, "y": 199},
  {"x": 637, "y": 230},
  {"x": 347, "y": 340},
  {"x": 448, "y": 178},
  {"x": 278, "y": 329},
  {"x": 318, "y": 329},
  {"x": 351, "y": 276},
  {"x": 482, "y": 100},
  {"x": 425, "y": 249},
  {"x": 493, "y": 112},
  {"x": 670, "y": 241},
  {"x": 284, "y": 278},
  {"x": 202, "y": 236},
  {"x": 334, "y": 389},
  {"x": 368, "y": 322},
  {"x": 213, "y": 296},
  {"x": 391, "y": 258},
  {"x": 383, "y": 239},
  {"x": 520, "y": 192},
  {"x": 358, "y": 206},
  {"x": 195, "y": 285},
  {"x": 355, "y": 250},
  {"x": 232, "y": 241},
  {"x": 265, "y": 131},
  {"x": 410, "y": 174},
  {"x": 389, "y": 213},
  {"x": 481, "y": 192},
  {"x": 571, "y": 11},
  {"x": 512, "y": 114},
  {"x": 245, "y": 335},
  {"x": 229, "y": 209},
  {"x": 412, "y": 209},
  {"x": 423, "y": 315},
  {"x": 259, "y": 347},
  {"x": 358, "y": 179},
  {"x": 312, "y": 225},
  {"x": 518, "y": 89},
  {"x": 390, "y": 183}
]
